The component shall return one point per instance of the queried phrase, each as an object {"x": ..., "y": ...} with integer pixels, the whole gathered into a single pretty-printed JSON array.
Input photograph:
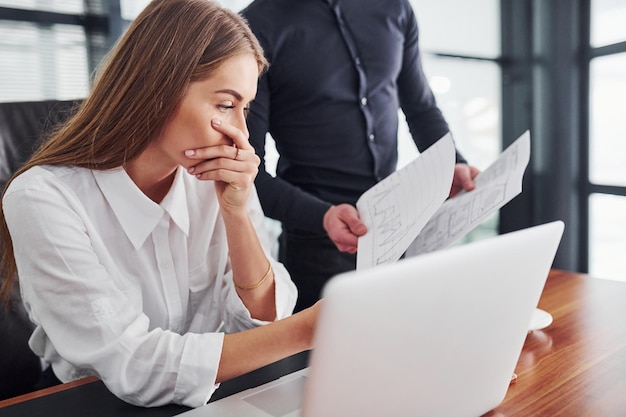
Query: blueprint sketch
[
  {"x": 398, "y": 207},
  {"x": 495, "y": 187}
]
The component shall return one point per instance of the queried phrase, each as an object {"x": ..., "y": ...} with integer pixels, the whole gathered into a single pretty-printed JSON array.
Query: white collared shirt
[{"x": 124, "y": 288}]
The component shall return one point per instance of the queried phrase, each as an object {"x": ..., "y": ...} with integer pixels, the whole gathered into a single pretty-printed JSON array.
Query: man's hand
[
  {"x": 343, "y": 225},
  {"x": 463, "y": 178}
]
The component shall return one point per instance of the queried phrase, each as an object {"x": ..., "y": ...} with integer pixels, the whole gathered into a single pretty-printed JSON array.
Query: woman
[{"x": 136, "y": 230}]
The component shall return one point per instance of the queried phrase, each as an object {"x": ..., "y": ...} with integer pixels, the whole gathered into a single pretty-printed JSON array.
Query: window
[
  {"x": 452, "y": 26},
  {"x": 607, "y": 140},
  {"x": 131, "y": 8},
  {"x": 59, "y": 6},
  {"x": 42, "y": 62},
  {"x": 607, "y": 124},
  {"x": 606, "y": 236},
  {"x": 50, "y": 48},
  {"x": 607, "y": 22}
]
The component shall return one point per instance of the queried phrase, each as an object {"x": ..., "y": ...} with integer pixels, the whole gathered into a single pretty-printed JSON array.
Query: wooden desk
[{"x": 575, "y": 367}]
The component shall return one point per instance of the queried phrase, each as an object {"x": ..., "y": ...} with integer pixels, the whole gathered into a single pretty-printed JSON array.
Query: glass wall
[
  {"x": 468, "y": 93},
  {"x": 469, "y": 28},
  {"x": 607, "y": 120},
  {"x": 131, "y": 8},
  {"x": 607, "y": 140},
  {"x": 607, "y": 231},
  {"x": 608, "y": 22},
  {"x": 467, "y": 90}
]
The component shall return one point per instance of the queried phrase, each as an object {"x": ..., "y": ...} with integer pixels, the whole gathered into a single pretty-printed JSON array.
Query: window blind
[{"x": 44, "y": 60}]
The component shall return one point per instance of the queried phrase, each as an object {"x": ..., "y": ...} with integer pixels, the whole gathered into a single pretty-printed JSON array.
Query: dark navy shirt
[{"x": 338, "y": 75}]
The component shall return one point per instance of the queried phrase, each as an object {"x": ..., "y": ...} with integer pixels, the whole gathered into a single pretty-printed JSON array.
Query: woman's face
[{"x": 226, "y": 95}]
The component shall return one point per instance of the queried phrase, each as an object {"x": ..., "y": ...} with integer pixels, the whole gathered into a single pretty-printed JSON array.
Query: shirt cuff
[
  {"x": 199, "y": 362},
  {"x": 286, "y": 294}
]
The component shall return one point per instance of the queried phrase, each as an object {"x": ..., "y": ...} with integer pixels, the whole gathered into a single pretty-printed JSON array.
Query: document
[
  {"x": 398, "y": 207},
  {"x": 495, "y": 187},
  {"x": 408, "y": 211}
]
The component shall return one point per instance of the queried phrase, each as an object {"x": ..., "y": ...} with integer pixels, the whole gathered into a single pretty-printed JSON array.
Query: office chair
[
  {"x": 22, "y": 127},
  {"x": 20, "y": 368}
]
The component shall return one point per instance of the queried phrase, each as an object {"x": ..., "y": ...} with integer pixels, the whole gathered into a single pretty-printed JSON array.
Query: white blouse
[{"x": 126, "y": 289}]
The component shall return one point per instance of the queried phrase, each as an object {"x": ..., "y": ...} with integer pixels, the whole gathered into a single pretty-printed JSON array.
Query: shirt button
[
  {"x": 364, "y": 101},
  {"x": 371, "y": 137},
  {"x": 165, "y": 265}
]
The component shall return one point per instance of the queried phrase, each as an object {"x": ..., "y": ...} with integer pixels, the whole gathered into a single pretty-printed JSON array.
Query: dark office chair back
[{"x": 22, "y": 127}]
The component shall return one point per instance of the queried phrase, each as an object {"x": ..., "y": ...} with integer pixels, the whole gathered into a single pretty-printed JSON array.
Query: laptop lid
[
  {"x": 438, "y": 334},
  {"x": 434, "y": 335}
]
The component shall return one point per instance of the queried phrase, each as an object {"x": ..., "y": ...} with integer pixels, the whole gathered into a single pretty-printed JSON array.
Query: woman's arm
[
  {"x": 253, "y": 276},
  {"x": 251, "y": 349},
  {"x": 233, "y": 168}
]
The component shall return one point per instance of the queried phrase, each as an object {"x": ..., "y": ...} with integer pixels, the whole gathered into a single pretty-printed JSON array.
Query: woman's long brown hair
[{"x": 143, "y": 80}]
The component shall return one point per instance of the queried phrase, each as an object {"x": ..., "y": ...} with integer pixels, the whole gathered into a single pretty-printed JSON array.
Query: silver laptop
[{"x": 434, "y": 335}]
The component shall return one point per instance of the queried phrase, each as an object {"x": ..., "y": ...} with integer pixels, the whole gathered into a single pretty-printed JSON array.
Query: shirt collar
[
  {"x": 175, "y": 202},
  {"x": 137, "y": 214}
]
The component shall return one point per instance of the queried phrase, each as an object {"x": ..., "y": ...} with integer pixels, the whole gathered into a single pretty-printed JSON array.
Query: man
[{"x": 339, "y": 71}]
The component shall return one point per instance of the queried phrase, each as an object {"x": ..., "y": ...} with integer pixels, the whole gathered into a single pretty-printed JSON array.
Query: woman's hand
[{"x": 233, "y": 168}]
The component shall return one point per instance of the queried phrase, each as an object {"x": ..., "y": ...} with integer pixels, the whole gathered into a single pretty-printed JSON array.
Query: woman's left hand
[{"x": 232, "y": 167}]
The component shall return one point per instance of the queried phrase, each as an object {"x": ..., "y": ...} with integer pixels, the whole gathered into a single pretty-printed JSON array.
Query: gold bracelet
[{"x": 258, "y": 284}]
